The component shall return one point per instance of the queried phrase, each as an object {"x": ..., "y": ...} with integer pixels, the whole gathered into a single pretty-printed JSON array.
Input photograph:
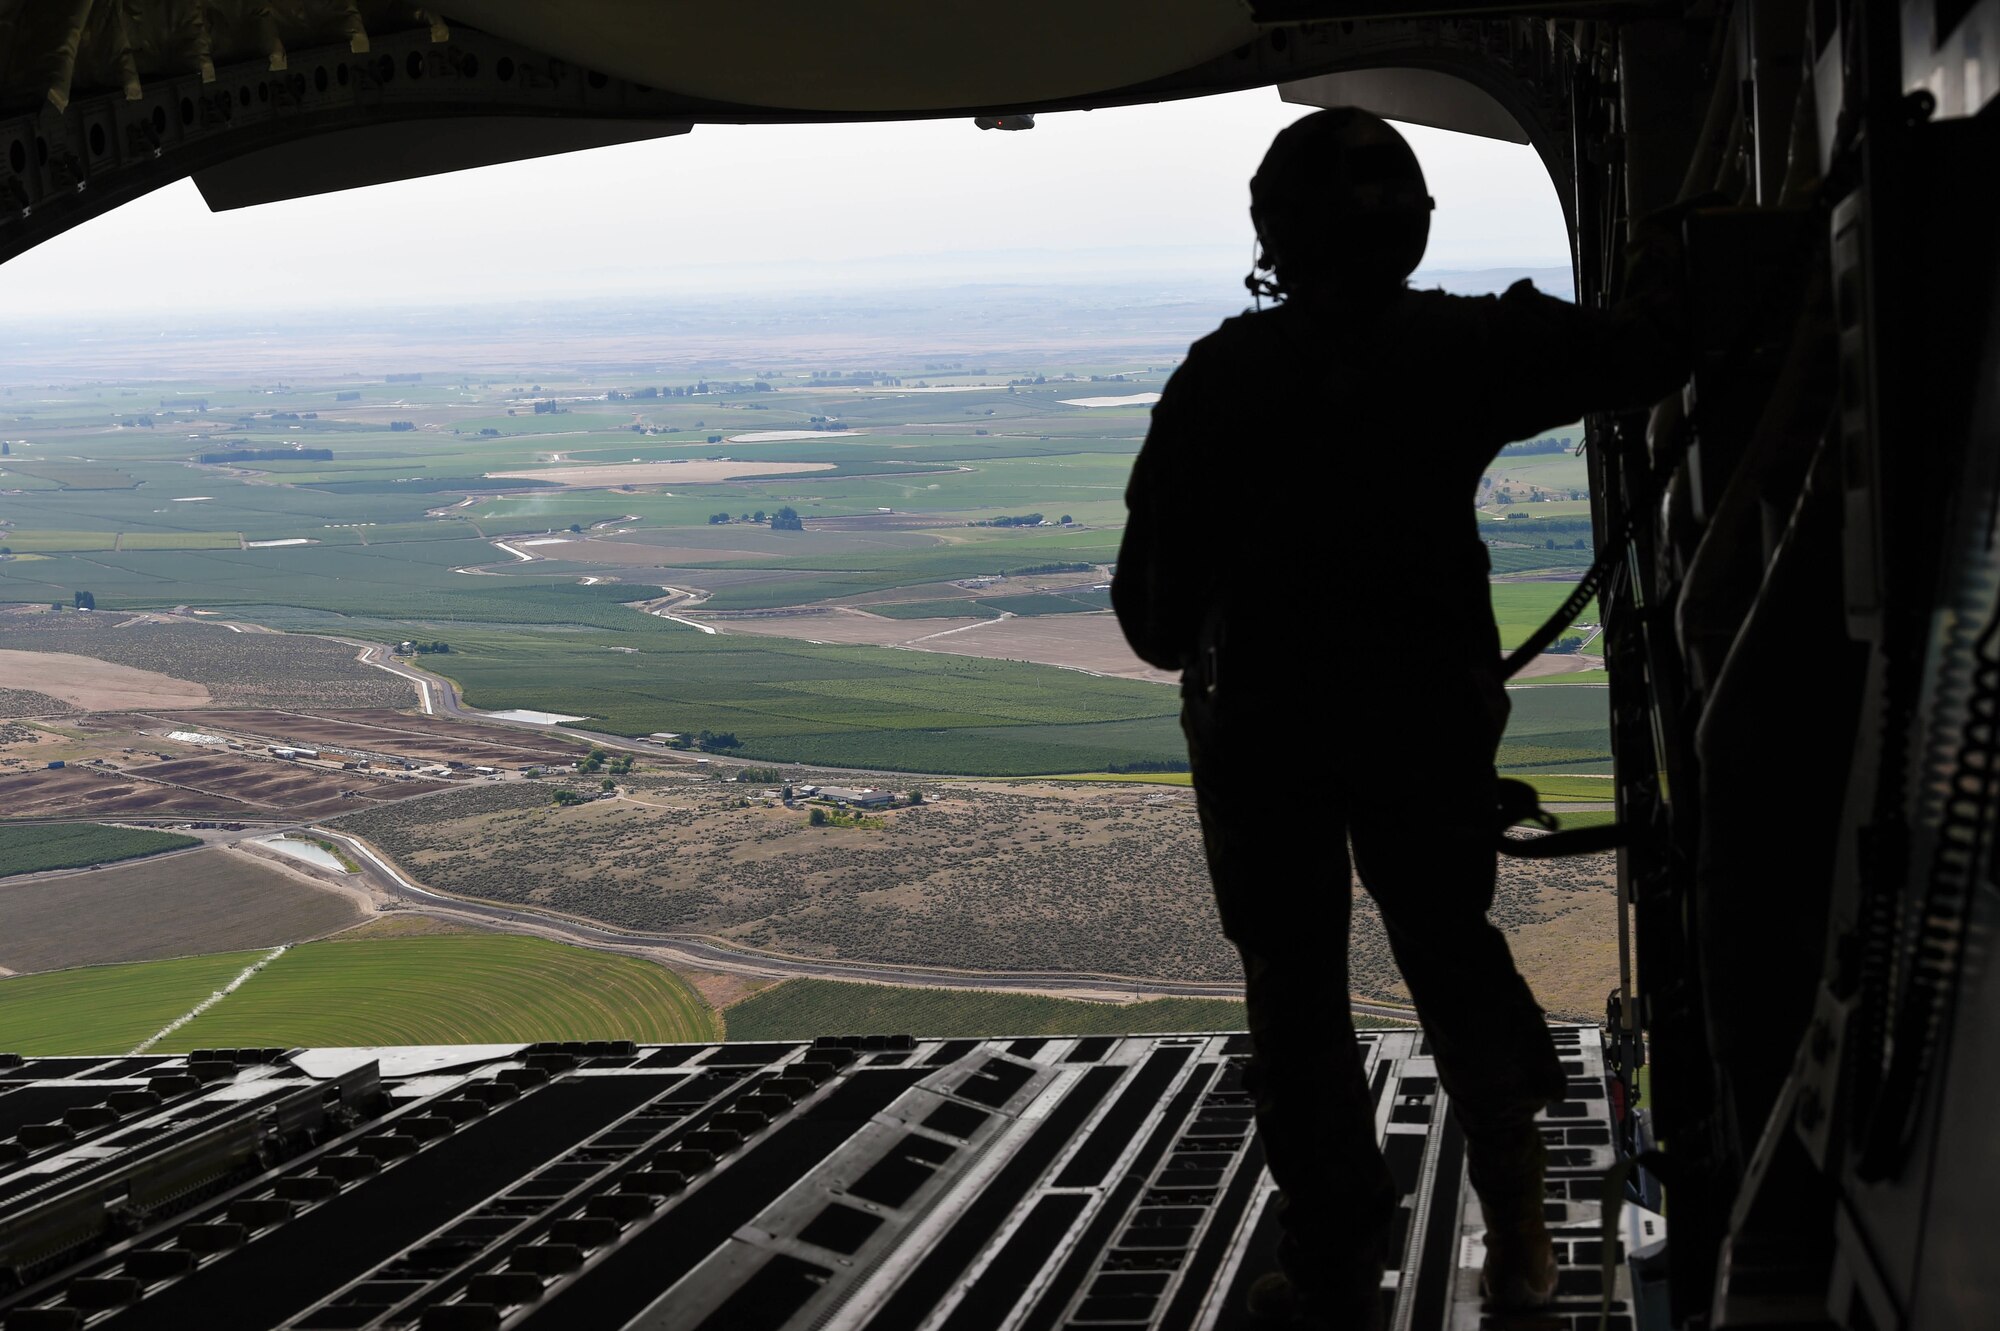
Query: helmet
[{"x": 1339, "y": 204}]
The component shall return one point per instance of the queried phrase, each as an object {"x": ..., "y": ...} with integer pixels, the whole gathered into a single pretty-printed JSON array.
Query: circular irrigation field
[{"x": 455, "y": 989}]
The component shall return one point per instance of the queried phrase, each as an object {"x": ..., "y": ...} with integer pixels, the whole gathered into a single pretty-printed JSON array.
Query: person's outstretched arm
[
  {"x": 1157, "y": 591},
  {"x": 1560, "y": 361}
]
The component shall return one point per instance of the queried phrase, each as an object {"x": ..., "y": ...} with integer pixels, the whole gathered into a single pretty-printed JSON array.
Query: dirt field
[
  {"x": 204, "y": 661},
  {"x": 1551, "y": 663},
  {"x": 657, "y": 473},
  {"x": 210, "y": 900},
  {"x": 94, "y": 685},
  {"x": 833, "y": 624},
  {"x": 88, "y": 791},
  {"x": 983, "y": 875},
  {"x": 1081, "y": 642},
  {"x": 114, "y": 771},
  {"x": 1090, "y": 642},
  {"x": 384, "y": 733},
  {"x": 283, "y": 786}
]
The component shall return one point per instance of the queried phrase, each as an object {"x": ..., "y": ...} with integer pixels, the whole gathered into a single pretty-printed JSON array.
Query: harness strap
[
  {"x": 1572, "y": 606},
  {"x": 1519, "y": 802}
]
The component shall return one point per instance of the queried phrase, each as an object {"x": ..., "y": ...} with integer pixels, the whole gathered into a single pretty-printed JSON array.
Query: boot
[
  {"x": 1520, "y": 1271},
  {"x": 1275, "y": 1302}
]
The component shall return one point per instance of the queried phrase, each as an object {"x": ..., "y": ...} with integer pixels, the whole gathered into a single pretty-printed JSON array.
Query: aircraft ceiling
[{"x": 104, "y": 100}]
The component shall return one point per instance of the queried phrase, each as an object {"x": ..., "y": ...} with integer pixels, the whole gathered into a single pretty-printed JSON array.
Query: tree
[
  {"x": 817, "y": 818},
  {"x": 786, "y": 519},
  {"x": 1067, "y": 519},
  {"x": 56, "y": 606},
  {"x": 916, "y": 797},
  {"x": 758, "y": 516},
  {"x": 85, "y": 601},
  {"x": 576, "y": 526},
  {"x": 607, "y": 784}
]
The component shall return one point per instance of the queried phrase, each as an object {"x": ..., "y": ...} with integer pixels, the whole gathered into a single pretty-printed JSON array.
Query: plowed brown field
[
  {"x": 384, "y": 732},
  {"x": 203, "y": 901}
]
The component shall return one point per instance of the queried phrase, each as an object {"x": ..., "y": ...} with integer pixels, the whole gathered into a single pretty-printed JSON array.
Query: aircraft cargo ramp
[{"x": 884, "y": 1183}]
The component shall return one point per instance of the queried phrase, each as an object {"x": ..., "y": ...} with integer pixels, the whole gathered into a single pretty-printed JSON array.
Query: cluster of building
[{"x": 865, "y": 798}]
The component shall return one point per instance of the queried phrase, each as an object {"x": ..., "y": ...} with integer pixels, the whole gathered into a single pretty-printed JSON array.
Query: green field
[
  {"x": 35, "y": 848},
  {"x": 459, "y": 989},
  {"x": 108, "y": 1009},
  {"x": 794, "y": 701},
  {"x": 1548, "y": 727},
  {"x": 180, "y": 540},
  {"x": 50, "y": 542},
  {"x": 1584, "y": 818},
  {"x": 455, "y": 989},
  {"x": 1519, "y": 608},
  {"x": 1580, "y": 789}
]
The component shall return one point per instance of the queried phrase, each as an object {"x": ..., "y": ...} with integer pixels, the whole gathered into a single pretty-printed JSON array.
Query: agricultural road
[{"x": 702, "y": 953}]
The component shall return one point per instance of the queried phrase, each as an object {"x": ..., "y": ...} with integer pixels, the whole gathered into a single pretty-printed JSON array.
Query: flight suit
[{"x": 1302, "y": 545}]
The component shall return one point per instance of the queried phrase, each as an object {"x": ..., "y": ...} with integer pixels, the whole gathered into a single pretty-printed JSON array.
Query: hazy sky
[{"x": 1146, "y": 190}]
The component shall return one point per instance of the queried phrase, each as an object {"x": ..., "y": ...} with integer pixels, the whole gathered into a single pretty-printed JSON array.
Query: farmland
[
  {"x": 856, "y": 580},
  {"x": 396, "y": 534},
  {"x": 33, "y": 849},
  {"x": 212, "y": 900},
  {"x": 470, "y": 988},
  {"x": 193, "y": 783},
  {"x": 463, "y": 989},
  {"x": 107, "y": 1009},
  {"x": 796, "y": 701}
]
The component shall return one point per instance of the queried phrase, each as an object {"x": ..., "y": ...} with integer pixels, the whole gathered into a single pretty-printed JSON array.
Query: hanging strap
[
  {"x": 1572, "y": 606},
  {"x": 1519, "y": 802}
]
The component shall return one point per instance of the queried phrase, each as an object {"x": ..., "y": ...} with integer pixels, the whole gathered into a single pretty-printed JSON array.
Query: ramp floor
[{"x": 878, "y": 1184}]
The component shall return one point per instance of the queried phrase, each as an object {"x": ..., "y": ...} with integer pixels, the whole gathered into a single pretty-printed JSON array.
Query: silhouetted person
[{"x": 1302, "y": 546}]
